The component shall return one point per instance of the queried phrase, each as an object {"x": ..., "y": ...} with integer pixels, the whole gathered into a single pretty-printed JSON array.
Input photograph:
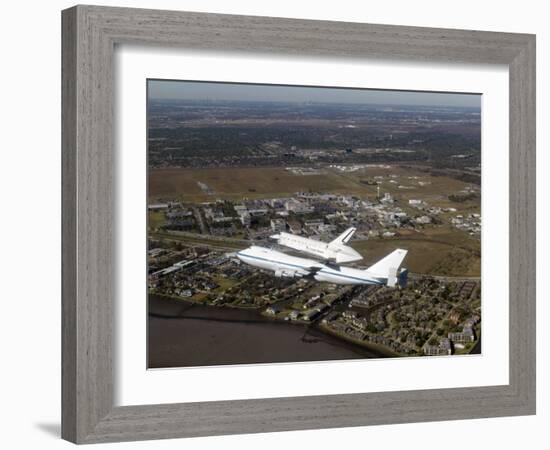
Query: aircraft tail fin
[
  {"x": 388, "y": 268},
  {"x": 344, "y": 237}
]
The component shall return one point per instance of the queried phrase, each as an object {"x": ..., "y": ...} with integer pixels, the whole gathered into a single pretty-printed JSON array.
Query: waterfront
[{"x": 182, "y": 334}]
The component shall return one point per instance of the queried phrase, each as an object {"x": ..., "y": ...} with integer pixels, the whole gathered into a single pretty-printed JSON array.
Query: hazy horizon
[{"x": 250, "y": 92}]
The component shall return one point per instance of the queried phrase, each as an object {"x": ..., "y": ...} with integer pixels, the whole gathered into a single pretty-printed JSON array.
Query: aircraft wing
[
  {"x": 284, "y": 272},
  {"x": 313, "y": 269}
]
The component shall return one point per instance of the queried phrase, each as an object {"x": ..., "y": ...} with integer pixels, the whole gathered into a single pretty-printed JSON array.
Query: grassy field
[
  {"x": 236, "y": 183},
  {"x": 156, "y": 219},
  {"x": 436, "y": 251},
  {"x": 405, "y": 184},
  {"x": 265, "y": 182}
]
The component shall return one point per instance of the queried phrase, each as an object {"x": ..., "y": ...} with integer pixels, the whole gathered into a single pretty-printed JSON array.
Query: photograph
[
  {"x": 267, "y": 225},
  {"x": 297, "y": 223}
]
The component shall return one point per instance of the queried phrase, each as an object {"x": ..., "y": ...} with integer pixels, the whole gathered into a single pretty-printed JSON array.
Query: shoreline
[{"x": 384, "y": 351}]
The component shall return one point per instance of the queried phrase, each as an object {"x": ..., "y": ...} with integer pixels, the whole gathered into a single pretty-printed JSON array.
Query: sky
[{"x": 193, "y": 90}]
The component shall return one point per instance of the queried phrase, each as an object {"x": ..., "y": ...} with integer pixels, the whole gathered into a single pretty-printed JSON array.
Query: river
[{"x": 183, "y": 334}]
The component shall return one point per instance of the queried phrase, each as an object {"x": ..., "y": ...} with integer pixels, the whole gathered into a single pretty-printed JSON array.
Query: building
[
  {"x": 311, "y": 314},
  {"x": 278, "y": 225},
  {"x": 294, "y": 315},
  {"x": 298, "y": 207},
  {"x": 272, "y": 310},
  {"x": 444, "y": 348},
  {"x": 423, "y": 220},
  {"x": 157, "y": 206},
  {"x": 245, "y": 217},
  {"x": 222, "y": 219},
  {"x": 387, "y": 198},
  {"x": 179, "y": 214},
  {"x": 466, "y": 335},
  {"x": 258, "y": 212},
  {"x": 277, "y": 203},
  {"x": 333, "y": 315},
  {"x": 314, "y": 223}
]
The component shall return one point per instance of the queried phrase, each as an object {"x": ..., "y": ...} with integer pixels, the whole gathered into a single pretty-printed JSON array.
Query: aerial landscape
[{"x": 290, "y": 224}]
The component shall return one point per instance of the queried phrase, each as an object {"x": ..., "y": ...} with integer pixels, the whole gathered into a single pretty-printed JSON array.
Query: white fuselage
[{"x": 292, "y": 266}]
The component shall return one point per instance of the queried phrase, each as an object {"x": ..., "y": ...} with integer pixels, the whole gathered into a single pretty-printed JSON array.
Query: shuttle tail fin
[{"x": 344, "y": 237}]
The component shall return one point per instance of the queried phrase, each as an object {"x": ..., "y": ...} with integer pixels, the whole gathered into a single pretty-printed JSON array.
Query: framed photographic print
[{"x": 341, "y": 229}]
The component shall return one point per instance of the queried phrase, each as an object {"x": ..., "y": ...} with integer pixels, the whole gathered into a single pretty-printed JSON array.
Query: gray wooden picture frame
[{"x": 90, "y": 34}]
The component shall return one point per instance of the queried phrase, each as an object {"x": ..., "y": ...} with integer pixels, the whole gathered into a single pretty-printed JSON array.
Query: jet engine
[{"x": 283, "y": 273}]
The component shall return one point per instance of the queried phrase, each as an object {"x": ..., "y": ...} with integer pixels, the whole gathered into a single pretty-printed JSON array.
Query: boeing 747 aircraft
[
  {"x": 335, "y": 251},
  {"x": 384, "y": 272}
]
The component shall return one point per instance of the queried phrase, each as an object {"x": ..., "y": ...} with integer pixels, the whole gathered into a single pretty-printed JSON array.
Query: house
[
  {"x": 272, "y": 310},
  {"x": 294, "y": 315},
  {"x": 423, "y": 220},
  {"x": 297, "y": 207},
  {"x": 466, "y": 335},
  {"x": 278, "y": 225},
  {"x": 444, "y": 348}
]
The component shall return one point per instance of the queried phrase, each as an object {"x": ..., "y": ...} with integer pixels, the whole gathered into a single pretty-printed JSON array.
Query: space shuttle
[{"x": 335, "y": 251}]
